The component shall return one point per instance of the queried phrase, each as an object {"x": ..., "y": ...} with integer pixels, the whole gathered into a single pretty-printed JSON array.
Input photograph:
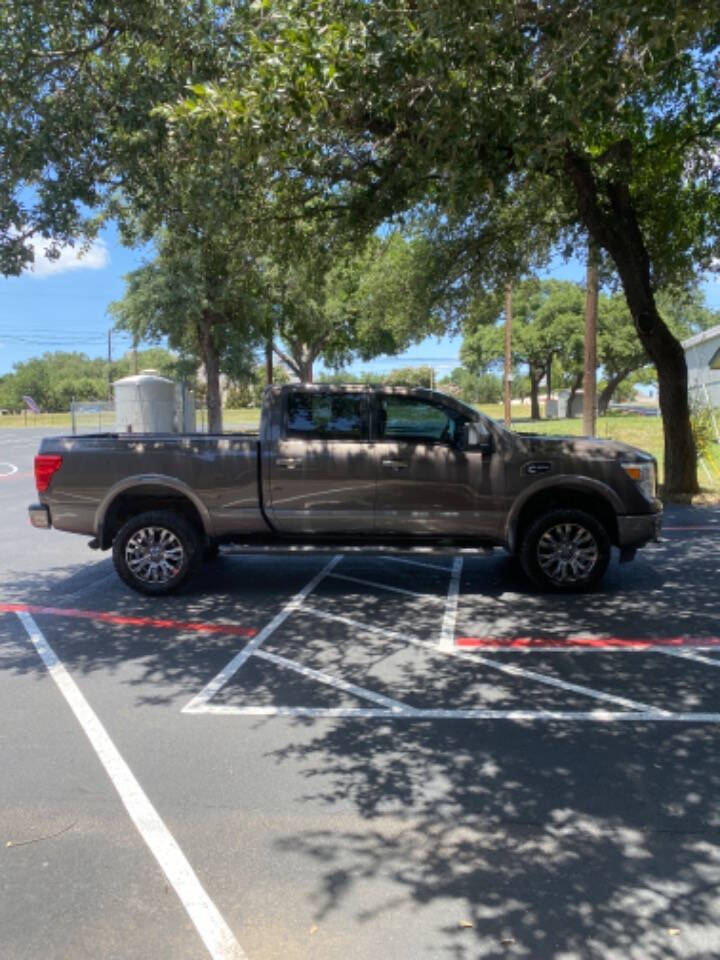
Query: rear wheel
[
  {"x": 156, "y": 552},
  {"x": 565, "y": 551}
]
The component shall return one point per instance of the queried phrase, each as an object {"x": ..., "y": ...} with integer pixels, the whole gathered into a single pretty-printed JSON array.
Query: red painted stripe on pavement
[
  {"x": 604, "y": 643},
  {"x": 126, "y": 621}
]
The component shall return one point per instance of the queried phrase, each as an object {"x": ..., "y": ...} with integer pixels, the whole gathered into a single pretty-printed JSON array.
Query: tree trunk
[
  {"x": 211, "y": 363},
  {"x": 576, "y": 384},
  {"x": 507, "y": 386},
  {"x": 590, "y": 344},
  {"x": 299, "y": 360},
  {"x": 534, "y": 390},
  {"x": 607, "y": 392},
  {"x": 613, "y": 225},
  {"x": 548, "y": 378},
  {"x": 269, "y": 359}
]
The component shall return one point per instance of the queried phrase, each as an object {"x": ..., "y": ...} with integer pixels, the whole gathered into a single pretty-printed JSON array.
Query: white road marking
[
  {"x": 294, "y": 604},
  {"x": 447, "y": 631},
  {"x": 214, "y": 932},
  {"x": 414, "y": 563},
  {"x": 7, "y": 473},
  {"x": 506, "y": 668},
  {"x": 595, "y": 716},
  {"x": 576, "y": 648},
  {"x": 385, "y": 586},
  {"x": 388, "y": 702},
  {"x": 395, "y": 706},
  {"x": 690, "y": 655}
]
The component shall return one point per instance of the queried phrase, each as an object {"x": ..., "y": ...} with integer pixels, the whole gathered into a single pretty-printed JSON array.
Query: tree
[
  {"x": 342, "y": 301},
  {"x": 547, "y": 319},
  {"x": 84, "y": 139},
  {"x": 422, "y": 376},
  {"x": 82, "y": 134},
  {"x": 249, "y": 393},
  {"x": 197, "y": 295},
  {"x": 611, "y": 118},
  {"x": 55, "y": 379}
]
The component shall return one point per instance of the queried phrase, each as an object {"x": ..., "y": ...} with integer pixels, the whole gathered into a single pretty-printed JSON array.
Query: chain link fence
[{"x": 97, "y": 416}]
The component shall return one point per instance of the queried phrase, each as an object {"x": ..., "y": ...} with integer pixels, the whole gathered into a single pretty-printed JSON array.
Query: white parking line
[
  {"x": 295, "y": 603},
  {"x": 689, "y": 655},
  {"x": 447, "y": 631},
  {"x": 414, "y": 563},
  {"x": 214, "y": 932},
  {"x": 395, "y": 706},
  {"x": 700, "y": 646},
  {"x": 4, "y": 472},
  {"x": 506, "y": 668},
  {"x": 349, "y": 713},
  {"x": 384, "y": 586}
]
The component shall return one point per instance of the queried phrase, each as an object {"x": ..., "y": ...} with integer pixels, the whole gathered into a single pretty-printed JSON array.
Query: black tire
[
  {"x": 565, "y": 551},
  {"x": 156, "y": 552}
]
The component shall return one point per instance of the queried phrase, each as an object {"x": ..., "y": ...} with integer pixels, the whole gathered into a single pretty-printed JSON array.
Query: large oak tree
[{"x": 608, "y": 113}]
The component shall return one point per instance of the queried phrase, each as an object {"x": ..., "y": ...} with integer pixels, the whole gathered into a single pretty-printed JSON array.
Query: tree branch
[{"x": 286, "y": 359}]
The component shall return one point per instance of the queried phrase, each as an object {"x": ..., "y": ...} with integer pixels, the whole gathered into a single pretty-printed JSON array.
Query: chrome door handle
[
  {"x": 289, "y": 462},
  {"x": 395, "y": 464}
]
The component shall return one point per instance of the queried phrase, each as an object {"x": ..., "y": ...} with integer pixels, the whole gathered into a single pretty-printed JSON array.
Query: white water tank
[
  {"x": 184, "y": 408},
  {"x": 145, "y": 403}
]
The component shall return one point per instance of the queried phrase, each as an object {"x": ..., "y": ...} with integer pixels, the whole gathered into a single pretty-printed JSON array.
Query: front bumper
[
  {"x": 638, "y": 530},
  {"x": 39, "y": 516}
]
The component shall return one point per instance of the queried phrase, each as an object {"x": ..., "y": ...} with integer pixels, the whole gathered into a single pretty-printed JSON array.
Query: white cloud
[{"x": 96, "y": 257}]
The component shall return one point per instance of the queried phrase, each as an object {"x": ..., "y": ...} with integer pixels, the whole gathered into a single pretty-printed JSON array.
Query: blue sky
[{"x": 63, "y": 306}]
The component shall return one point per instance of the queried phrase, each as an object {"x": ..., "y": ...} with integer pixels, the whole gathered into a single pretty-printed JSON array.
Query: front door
[
  {"x": 427, "y": 485},
  {"x": 322, "y": 471}
]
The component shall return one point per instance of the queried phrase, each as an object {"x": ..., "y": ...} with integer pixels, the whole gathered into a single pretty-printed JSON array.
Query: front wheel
[
  {"x": 156, "y": 552},
  {"x": 565, "y": 551}
]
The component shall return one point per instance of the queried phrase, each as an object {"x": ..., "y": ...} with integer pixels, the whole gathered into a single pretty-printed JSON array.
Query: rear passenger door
[{"x": 322, "y": 471}]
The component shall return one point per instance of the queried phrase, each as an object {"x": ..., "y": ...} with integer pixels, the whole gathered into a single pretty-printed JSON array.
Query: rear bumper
[
  {"x": 635, "y": 531},
  {"x": 39, "y": 516}
]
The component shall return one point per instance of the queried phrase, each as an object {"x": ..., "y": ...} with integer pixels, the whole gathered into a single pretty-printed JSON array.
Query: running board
[{"x": 377, "y": 549}]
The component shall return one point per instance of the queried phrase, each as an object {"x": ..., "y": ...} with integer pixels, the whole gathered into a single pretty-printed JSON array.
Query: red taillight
[{"x": 45, "y": 466}]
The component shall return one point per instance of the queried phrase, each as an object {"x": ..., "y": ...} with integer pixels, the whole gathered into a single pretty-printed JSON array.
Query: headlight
[{"x": 644, "y": 476}]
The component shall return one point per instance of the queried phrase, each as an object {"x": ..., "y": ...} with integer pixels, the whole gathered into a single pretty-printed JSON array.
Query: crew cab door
[
  {"x": 427, "y": 484},
  {"x": 322, "y": 467}
]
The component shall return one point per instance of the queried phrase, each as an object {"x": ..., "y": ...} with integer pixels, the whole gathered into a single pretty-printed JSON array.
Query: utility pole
[
  {"x": 109, "y": 364},
  {"x": 134, "y": 355},
  {"x": 508, "y": 354},
  {"x": 590, "y": 353}
]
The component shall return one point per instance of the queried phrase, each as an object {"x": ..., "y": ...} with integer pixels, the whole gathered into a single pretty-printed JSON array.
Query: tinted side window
[
  {"x": 410, "y": 419},
  {"x": 339, "y": 416}
]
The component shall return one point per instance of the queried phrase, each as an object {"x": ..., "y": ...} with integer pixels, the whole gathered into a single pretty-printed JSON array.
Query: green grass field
[{"x": 645, "y": 432}]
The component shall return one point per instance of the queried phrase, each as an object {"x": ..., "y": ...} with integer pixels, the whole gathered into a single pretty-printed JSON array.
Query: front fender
[{"x": 559, "y": 482}]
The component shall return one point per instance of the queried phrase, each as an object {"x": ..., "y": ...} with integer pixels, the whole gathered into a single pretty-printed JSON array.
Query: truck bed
[{"x": 218, "y": 473}]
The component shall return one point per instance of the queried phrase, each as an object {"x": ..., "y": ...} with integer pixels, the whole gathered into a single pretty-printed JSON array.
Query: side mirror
[{"x": 475, "y": 438}]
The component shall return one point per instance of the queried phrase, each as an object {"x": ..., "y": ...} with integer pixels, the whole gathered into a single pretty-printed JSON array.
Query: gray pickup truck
[{"x": 351, "y": 468}]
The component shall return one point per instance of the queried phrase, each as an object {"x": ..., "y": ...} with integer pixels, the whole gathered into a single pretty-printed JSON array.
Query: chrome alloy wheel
[
  {"x": 567, "y": 553},
  {"x": 154, "y": 555}
]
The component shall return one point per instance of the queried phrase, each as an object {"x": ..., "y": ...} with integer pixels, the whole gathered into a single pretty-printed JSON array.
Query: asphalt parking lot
[{"x": 354, "y": 757}]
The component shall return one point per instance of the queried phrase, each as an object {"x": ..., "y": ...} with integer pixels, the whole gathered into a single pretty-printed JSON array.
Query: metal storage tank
[
  {"x": 184, "y": 408},
  {"x": 145, "y": 403}
]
